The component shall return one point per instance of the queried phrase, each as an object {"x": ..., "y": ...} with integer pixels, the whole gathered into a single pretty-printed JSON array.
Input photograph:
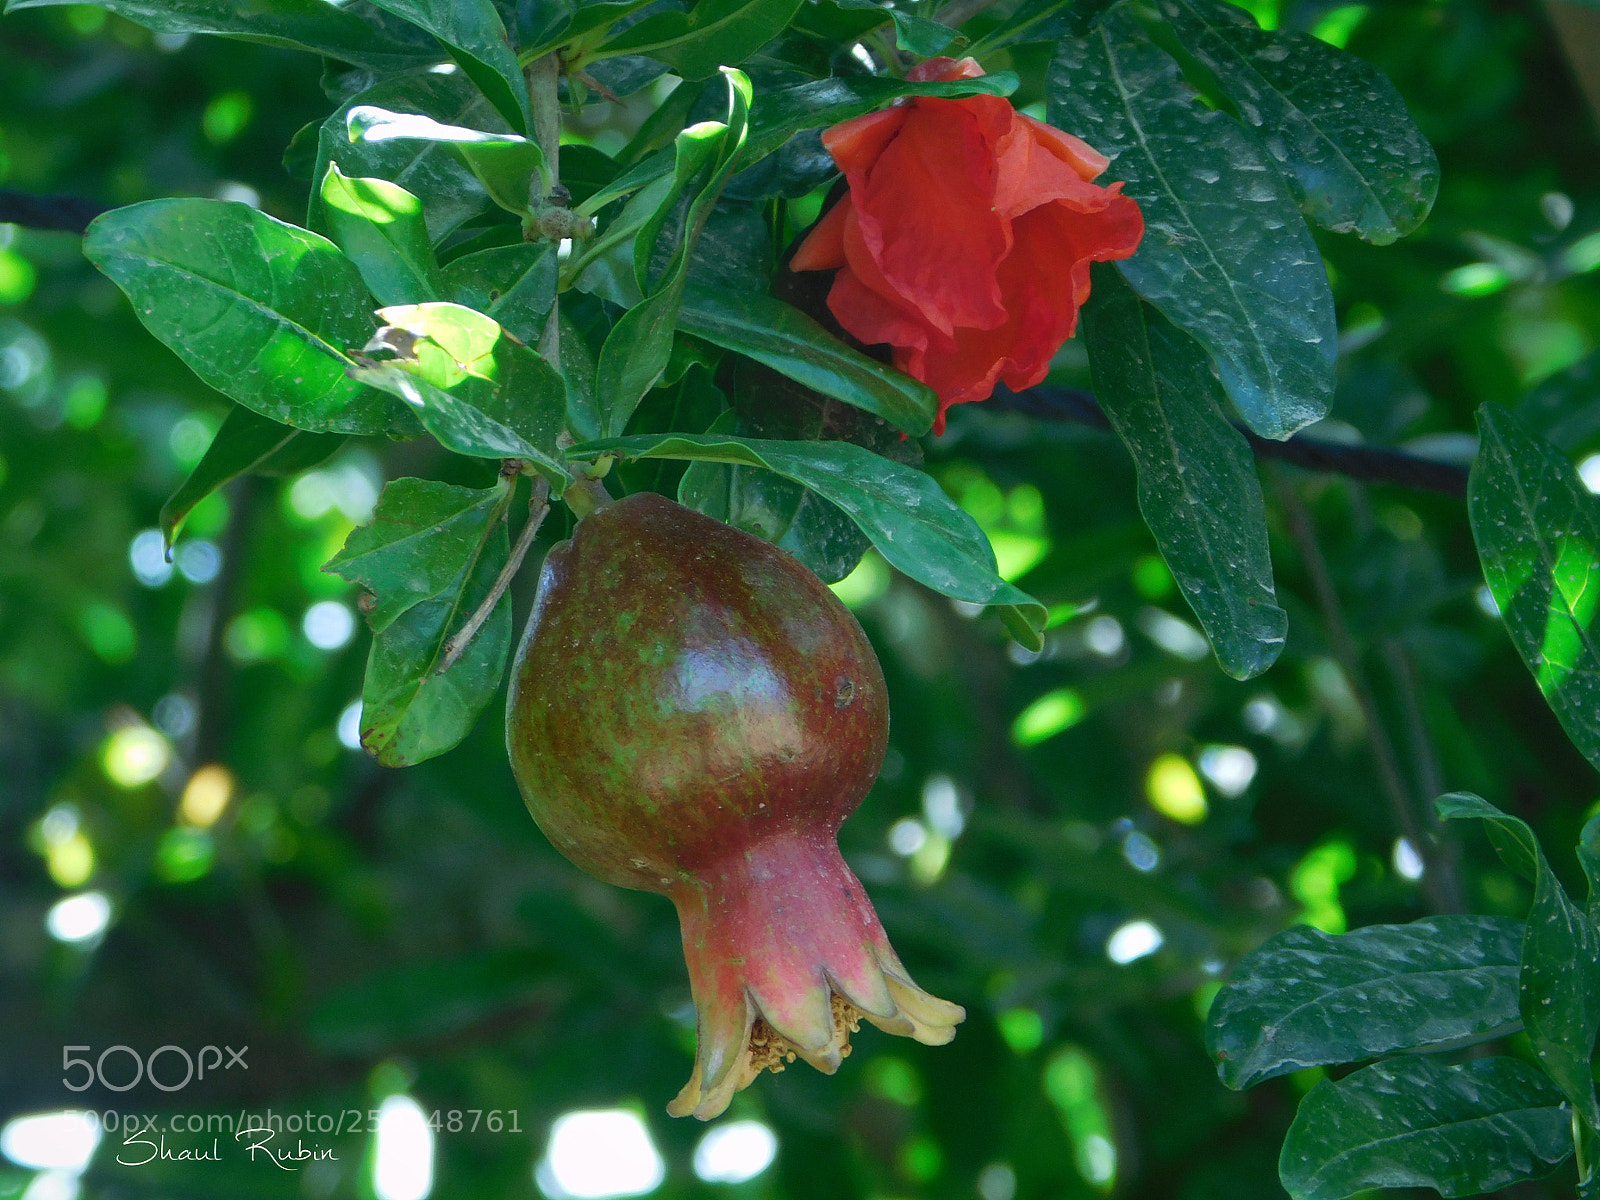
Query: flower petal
[
  {"x": 1031, "y": 172},
  {"x": 1045, "y": 279},
  {"x": 823, "y": 248},
  {"x": 855, "y": 144},
  {"x": 925, "y": 210},
  {"x": 944, "y": 69},
  {"x": 1070, "y": 148}
]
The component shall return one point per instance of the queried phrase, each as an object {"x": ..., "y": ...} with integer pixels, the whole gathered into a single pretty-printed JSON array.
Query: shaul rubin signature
[{"x": 255, "y": 1141}]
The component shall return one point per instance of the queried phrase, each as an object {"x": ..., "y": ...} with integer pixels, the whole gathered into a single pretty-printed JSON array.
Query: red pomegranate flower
[{"x": 966, "y": 237}]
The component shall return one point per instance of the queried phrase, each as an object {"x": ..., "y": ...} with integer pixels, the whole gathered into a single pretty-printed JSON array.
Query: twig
[
  {"x": 1430, "y": 777},
  {"x": 62, "y": 214},
  {"x": 1438, "y": 882},
  {"x": 1373, "y": 464},
  {"x": 538, "y": 509}
]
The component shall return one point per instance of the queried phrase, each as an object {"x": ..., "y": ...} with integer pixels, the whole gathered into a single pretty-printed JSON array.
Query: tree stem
[{"x": 543, "y": 76}]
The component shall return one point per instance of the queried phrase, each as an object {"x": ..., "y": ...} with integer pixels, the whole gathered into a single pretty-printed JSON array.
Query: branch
[
  {"x": 1439, "y": 881},
  {"x": 1373, "y": 464},
  {"x": 62, "y": 214}
]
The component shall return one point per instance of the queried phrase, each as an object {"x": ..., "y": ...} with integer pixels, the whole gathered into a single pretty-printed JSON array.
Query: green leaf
[
  {"x": 1334, "y": 123},
  {"x": 715, "y": 33},
  {"x": 586, "y": 27},
  {"x": 1412, "y": 1122},
  {"x": 1306, "y": 998},
  {"x": 415, "y": 547},
  {"x": 351, "y": 33},
  {"x": 695, "y": 152},
  {"x": 245, "y": 444},
  {"x": 1198, "y": 488},
  {"x": 476, "y": 390},
  {"x": 1537, "y": 529},
  {"x": 516, "y": 285},
  {"x": 1560, "y": 976},
  {"x": 476, "y": 38},
  {"x": 914, "y": 34},
  {"x": 908, "y": 517},
  {"x": 782, "y": 337},
  {"x": 1589, "y": 858},
  {"x": 432, "y": 171},
  {"x": 791, "y": 516},
  {"x": 379, "y": 225},
  {"x": 1226, "y": 255},
  {"x": 504, "y": 163},
  {"x": 409, "y": 711},
  {"x": 260, "y": 310},
  {"x": 638, "y": 348},
  {"x": 781, "y": 114}
]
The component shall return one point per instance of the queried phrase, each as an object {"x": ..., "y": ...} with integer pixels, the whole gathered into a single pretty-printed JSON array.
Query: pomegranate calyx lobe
[{"x": 692, "y": 712}]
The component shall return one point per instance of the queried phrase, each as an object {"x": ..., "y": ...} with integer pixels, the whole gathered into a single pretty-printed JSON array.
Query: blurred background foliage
[{"x": 1075, "y": 845}]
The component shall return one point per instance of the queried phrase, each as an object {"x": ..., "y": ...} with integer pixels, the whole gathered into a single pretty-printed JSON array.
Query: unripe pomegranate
[{"x": 693, "y": 713}]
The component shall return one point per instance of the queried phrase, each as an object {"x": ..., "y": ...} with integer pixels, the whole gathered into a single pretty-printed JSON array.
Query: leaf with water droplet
[
  {"x": 1351, "y": 151},
  {"x": 1559, "y": 980},
  {"x": 1414, "y": 1122},
  {"x": 1306, "y": 998},
  {"x": 1230, "y": 262},
  {"x": 1537, "y": 529},
  {"x": 1198, "y": 488}
]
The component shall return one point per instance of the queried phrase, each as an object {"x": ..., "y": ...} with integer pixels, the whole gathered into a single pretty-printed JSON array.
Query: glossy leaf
[
  {"x": 1226, "y": 255},
  {"x": 1335, "y": 125},
  {"x": 352, "y": 33},
  {"x": 245, "y": 444},
  {"x": 1589, "y": 859},
  {"x": 798, "y": 519},
  {"x": 415, "y": 546},
  {"x": 778, "y": 115},
  {"x": 262, "y": 311},
  {"x": 1537, "y": 528},
  {"x": 1560, "y": 976},
  {"x": 478, "y": 391},
  {"x": 913, "y": 34},
  {"x": 476, "y": 38},
  {"x": 1306, "y": 998},
  {"x": 637, "y": 350},
  {"x": 432, "y": 171},
  {"x": 1198, "y": 488},
  {"x": 782, "y": 337},
  {"x": 713, "y": 34},
  {"x": 409, "y": 711},
  {"x": 908, "y": 517},
  {"x": 515, "y": 285},
  {"x": 506, "y": 165},
  {"x": 1413, "y": 1122},
  {"x": 380, "y": 227}
]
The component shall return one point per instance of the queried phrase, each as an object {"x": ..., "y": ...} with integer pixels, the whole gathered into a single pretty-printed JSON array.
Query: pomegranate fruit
[{"x": 693, "y": 713}]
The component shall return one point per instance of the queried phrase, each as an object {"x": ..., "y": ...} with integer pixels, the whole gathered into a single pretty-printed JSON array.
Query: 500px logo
[{"x": 194, "y": 1066}]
